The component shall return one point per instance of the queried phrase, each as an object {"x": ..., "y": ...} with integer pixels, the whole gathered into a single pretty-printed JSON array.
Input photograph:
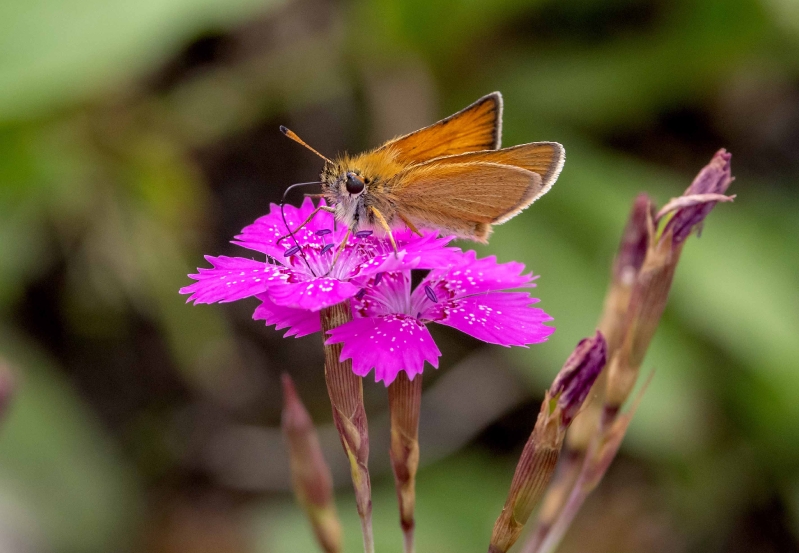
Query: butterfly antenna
[
  {"x": 285, "y": 222},
  {"x": 292, "y": 135}
]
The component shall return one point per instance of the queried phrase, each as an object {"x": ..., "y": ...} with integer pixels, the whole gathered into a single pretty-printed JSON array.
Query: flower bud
[
  {"x": 540, "y": 454},
  {"x": 633, "y": 308},
  {"x": 578, "y": 374},
  {"x": 626, "y": 266},
  {"x": 313, "y": 484},
  {"x": 634, "y": 242},
  {"x": 699, "y": 198},
  {"x": 651, "y": 290}
]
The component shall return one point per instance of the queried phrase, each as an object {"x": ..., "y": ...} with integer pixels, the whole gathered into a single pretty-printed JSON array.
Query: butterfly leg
[
  {"x": 409, "y": 224},
  {"x": 384, "y": 224},
  {"x": 339, "y": 250},
  {"x": 307, "y": 220}
]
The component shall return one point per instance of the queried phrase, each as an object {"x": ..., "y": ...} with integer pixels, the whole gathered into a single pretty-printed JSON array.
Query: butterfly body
[
  {"x": 451, "y": 176},
  {"x": 378, "y": 170}
]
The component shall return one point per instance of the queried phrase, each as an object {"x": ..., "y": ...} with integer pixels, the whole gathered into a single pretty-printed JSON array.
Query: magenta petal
[
  {"x": 415, "y": 252},
  {"x": 231, "y": 279},
  {"x": 431, "y": 252},
  {"x": 264, "y": 233},
  {"x": 390, "y": 344},
  {"x": 387, "y": 262},
  {"x": 299, "y": 322},
  {"x": 475, "y": 276},
  {"x": 503, "y": 318},
  {"x": 313, "y": 294}
]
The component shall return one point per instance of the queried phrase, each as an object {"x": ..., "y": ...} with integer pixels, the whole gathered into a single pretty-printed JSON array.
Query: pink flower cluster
[{"x": 302, "y": 275}]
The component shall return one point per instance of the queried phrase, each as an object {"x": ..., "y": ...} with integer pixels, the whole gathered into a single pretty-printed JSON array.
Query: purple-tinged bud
[
  {"x": 634, "y": 241},
  {"x": 699, "y": 199},
  {"x": 313, "y": 483},
  {"x": 540, "y": 454},
  {"x": 633, "y": 308},
  {"x": 651, "y": 290},
  {"x": 578, "y": 374}
]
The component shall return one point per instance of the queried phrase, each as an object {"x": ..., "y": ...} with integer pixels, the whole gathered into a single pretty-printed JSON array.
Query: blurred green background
[{"x": 137, "y": 136}]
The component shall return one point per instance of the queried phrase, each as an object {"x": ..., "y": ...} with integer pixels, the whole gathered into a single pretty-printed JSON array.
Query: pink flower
[
  {"x": 300, "y": 277},
  {"x": 390, "y": 334}
]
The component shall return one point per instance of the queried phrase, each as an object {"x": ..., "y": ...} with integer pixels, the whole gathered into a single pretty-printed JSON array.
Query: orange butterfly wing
[
  {"x": 544, "y": 158},
  {"x": 476, "y": 127},
  {"x": 465, "y": 198}
]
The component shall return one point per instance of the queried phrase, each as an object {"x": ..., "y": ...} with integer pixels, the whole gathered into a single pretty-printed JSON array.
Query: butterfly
[{"x": 452, "y": 176}]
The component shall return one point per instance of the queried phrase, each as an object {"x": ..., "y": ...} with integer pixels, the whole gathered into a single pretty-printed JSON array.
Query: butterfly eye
[{"x": 355, "y": 184}]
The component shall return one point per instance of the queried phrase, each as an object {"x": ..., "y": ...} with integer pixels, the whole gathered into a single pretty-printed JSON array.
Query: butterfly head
[
  {"x": 346, "y": 189},
  {"x": 354, "y": 184}
]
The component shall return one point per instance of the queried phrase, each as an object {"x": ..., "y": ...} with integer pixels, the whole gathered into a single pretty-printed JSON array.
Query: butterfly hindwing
[
  {"x": 544, "y": 158},
  {"x": 465, "y": 198}
]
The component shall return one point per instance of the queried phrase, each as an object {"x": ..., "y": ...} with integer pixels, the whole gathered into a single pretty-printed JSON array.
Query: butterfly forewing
[{"x": 476, "y": 127}]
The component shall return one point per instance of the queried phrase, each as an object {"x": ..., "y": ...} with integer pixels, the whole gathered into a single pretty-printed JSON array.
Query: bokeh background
[{"x": 137, "y": 136}]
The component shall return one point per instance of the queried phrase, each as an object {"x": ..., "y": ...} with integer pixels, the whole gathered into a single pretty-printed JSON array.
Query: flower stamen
[{"x": 430, "y": 294}]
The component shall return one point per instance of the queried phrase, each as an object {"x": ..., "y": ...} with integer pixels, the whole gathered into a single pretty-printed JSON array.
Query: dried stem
[
  {"x": 346, "y": 397},
  {"x": 404, "y": 403},
  {"x": 599, "y": 457},
  {"x": 647, "y": 303},
  {"x": 556, "y": 496},
  {"x": 533, "y": 473}
]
